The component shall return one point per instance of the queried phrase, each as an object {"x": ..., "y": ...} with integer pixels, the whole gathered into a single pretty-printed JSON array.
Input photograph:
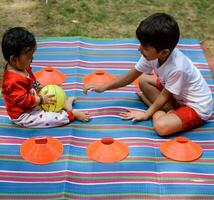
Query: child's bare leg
[
  {"x": 166, "y": 123},
  {"x": 144, "y": 99},
  {"x": 79, "y": 115},
  {"x": 158, "y": 114},
  {"x": 69, "y": 102},
  {"x": 148, "y": 86}
]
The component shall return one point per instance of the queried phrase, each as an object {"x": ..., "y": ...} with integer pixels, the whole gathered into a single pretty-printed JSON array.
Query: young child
[
  {"x": 20, "y": 88},
  {"x": 178, "y": 96}
]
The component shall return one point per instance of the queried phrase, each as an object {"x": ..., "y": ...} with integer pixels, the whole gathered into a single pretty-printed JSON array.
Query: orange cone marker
[
  {"x": 107, "y": 150},
  {"x": 41, "y": 150},
  {"x": 181, "y": 149},
  {"x": 50, "y": 76},
  {"x": 98, "y": 78},
  {"x": 136, "y": 83}
]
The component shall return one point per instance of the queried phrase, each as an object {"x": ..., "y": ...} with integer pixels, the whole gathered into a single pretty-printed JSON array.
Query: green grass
[{"x": 119, "y": 18}]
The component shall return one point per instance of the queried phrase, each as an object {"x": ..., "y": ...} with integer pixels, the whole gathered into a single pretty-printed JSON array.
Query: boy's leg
[
  {"x": 181, "y": 119},
  {"x": 150, "y": 91},
  {"x": 166, "y": 123},
  {"x": 147, "y": 84},
  {"x": 144, "y": 99}
]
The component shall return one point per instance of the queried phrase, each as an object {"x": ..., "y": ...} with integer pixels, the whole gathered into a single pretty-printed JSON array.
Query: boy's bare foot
[
  {"x": 140, "y": 95},
  {"x": 82, "y": 116},
  {"x": 143, "y": 98},
  {"x": 69, "y": 102}
]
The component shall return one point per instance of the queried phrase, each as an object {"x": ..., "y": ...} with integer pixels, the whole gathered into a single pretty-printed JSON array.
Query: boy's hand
[
  {"x": 134, "y": 115},
  {"x": 94, "y": 88}
]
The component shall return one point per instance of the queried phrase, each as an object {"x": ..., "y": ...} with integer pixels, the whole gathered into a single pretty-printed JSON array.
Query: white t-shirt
[{"x": 180, "y": 77}]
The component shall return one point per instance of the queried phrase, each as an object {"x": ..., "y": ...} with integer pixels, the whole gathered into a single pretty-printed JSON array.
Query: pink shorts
[{"x": 190, "y": 119}]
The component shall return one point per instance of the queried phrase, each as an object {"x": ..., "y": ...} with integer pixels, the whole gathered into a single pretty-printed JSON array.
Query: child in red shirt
[{"x": 20, "y": 88}]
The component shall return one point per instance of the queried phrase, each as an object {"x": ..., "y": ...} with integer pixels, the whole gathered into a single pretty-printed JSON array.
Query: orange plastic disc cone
[
  {"x": 98, "y": 78},
  {"x": 41, "y": 150},
  {"x": 181, "y": 149},
  {"x": 50, "y": 76},
  {"x": 107, "y": 150},
  {"x": 136, "y": 83}
]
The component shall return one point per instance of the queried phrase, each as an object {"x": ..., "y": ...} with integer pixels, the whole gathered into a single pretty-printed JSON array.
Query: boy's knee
[
  {"x": 143, "y": 81},
  {"x": 161, "y": 128}
]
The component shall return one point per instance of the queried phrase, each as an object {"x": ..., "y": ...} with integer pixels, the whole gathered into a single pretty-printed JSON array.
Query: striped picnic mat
[{"x": 144, "y": 174}]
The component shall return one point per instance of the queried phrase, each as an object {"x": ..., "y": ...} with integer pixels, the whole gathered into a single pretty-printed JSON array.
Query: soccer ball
[{"x": 60, "y": 98}]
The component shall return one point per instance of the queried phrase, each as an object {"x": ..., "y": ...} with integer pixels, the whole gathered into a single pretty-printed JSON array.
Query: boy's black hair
[
  {"x": 15, "y": 41},
  {"x": 160, "y": 31}
]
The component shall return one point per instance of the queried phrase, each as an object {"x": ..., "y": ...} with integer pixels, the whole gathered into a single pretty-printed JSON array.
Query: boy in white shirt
[{"x": 178, "y": 96}]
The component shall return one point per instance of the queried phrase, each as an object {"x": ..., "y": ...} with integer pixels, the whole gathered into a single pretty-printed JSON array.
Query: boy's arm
[
  {"x": 134, "y": 115},
  {"x": 121, "y": 81},
  {"x": 161, "y": 100}
]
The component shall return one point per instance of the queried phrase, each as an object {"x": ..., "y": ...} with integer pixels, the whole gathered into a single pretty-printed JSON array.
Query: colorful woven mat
[{"x": 144, "y": 174}]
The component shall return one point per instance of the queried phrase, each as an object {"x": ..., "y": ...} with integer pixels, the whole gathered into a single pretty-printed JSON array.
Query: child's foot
[
  {"x": 143, "y": 98},
  {"x": 140, "y": 95},
  {"x": 69, "y": 102},
  {"x": 81, "y": 115}
]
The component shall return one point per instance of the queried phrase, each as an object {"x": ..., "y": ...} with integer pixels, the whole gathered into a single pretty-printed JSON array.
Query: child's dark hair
[
  {"x": 15, "y": 41},
  {"x": 160, "y": 31}
]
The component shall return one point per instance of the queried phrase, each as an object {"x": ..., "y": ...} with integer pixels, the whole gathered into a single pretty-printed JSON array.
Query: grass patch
[{"x": 106, "y": 18}]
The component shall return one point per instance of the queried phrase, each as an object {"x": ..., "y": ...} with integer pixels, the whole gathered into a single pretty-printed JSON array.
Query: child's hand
[
  {"x": 94, "y": 88},
  {"x": 33, "y": 92},
  {"x": 48, "y": 98},
  {"x": 134, "y": 115}
]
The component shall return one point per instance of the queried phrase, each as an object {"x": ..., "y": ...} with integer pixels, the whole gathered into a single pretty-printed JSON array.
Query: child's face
[
  {"x": 24, "y": 60},
  {"x": 149, "y": 52}
]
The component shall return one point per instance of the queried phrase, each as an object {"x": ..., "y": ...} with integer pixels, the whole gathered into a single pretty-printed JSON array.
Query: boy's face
[
  {"x": 23, "y": 60},
  {"x": 149, "y": 52}
]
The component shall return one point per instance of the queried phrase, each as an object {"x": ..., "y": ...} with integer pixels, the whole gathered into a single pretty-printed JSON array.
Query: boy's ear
[{"x": 165, "y": 52}]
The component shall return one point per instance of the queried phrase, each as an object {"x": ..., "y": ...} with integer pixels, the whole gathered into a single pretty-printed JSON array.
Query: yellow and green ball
[{"x": 60, "y": 98}]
